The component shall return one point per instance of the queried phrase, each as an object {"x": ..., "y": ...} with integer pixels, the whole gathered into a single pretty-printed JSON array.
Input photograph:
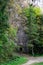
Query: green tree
[
  {"x": 32, "y": 26},
  {"x": 40, "y": 30},
  {"x": 3, "y": 26}
]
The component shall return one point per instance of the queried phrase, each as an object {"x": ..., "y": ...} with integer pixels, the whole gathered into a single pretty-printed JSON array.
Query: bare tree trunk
[{"x": 32, "y": 51}]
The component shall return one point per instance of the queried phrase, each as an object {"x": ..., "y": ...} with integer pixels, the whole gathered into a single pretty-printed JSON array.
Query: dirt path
[
  {"x": 31, "y": 59},
  {"x": 34, "y": 60}
]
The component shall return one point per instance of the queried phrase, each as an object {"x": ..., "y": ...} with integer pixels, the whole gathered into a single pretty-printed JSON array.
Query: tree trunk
[{"x": 32, "y": 51}]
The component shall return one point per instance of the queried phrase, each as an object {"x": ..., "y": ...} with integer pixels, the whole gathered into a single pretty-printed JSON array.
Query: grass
[
  {"x": 17, "y": 61},
  {"x": 41, "y": 63}
]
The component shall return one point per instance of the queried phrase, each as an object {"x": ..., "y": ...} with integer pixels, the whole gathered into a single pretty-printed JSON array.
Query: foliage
[
  {"x": 6, "y": 44},
  {"x": 37, "y": 11},
  {"x": 41, "y": 29},
  {"x": 16, "y": 61},
  {"x": 34, "y": 26},
  {"x": 18, "y": 9},
  {"x": 31, "y": 23},
  {"x": 12, "y": 31},
  {"x": 3, "y": 25}
]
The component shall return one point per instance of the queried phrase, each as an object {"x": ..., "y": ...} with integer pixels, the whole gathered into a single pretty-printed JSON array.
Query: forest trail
[{"x": 33, "y": 60}]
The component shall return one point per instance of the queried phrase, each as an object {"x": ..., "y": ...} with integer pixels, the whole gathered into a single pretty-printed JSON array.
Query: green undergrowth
[{"x": 16, "y": 61}]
